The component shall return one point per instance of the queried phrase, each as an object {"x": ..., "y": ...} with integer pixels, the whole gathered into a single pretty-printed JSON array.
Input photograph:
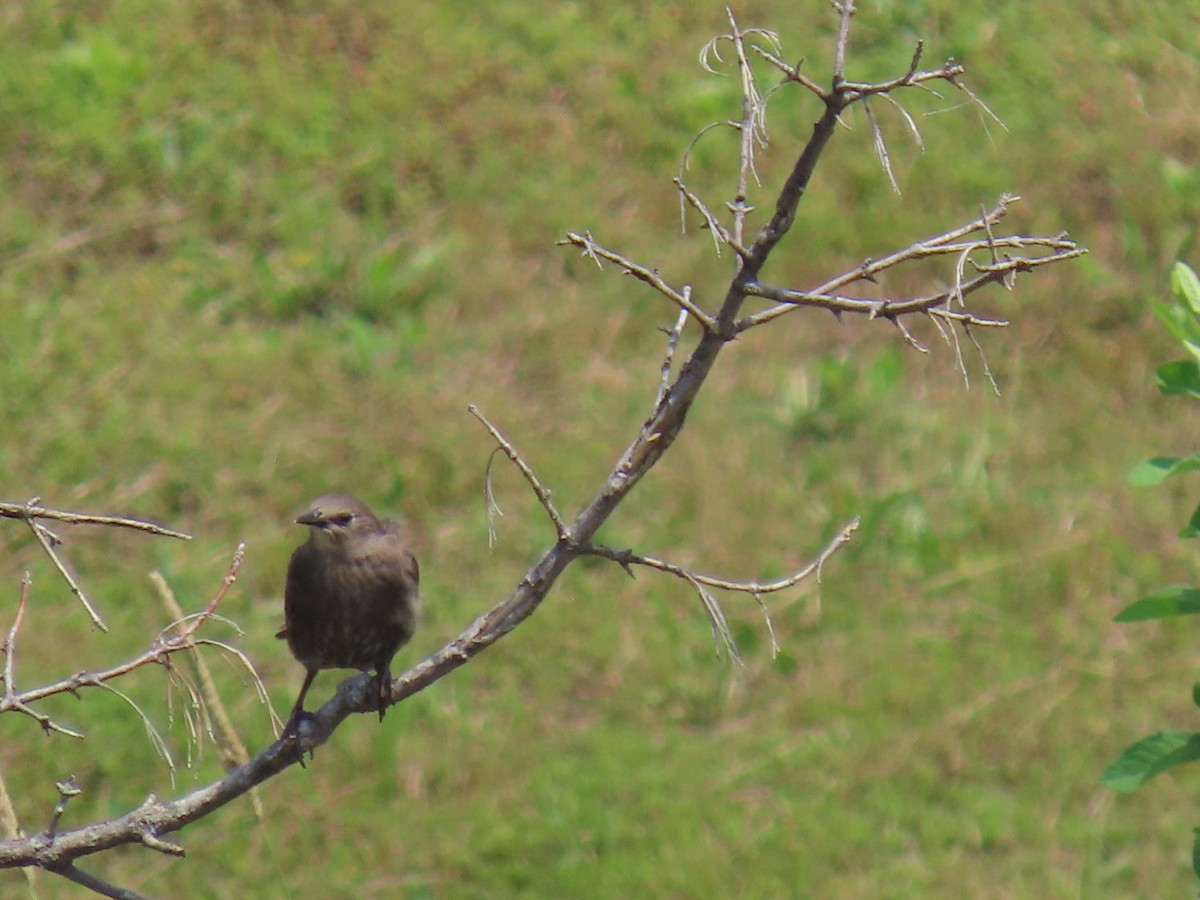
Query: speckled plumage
[{"x": 352, "y": 597}]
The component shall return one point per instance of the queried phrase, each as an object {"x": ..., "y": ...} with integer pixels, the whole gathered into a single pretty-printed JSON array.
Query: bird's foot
[{"x": 299, "y": 731}]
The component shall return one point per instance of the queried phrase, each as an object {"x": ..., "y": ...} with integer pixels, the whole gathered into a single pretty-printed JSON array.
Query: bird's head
[{"x": 336, "y": 517}]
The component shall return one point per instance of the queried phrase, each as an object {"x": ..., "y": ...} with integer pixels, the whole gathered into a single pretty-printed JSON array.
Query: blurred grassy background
[{"x": 254, "y": 251}]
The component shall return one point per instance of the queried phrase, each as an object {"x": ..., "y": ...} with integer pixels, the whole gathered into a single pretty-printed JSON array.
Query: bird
[{"x": 352, "y": 597}]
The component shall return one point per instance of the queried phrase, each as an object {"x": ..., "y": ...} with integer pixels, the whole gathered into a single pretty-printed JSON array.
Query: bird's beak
[{"x": 312, "y": 517}]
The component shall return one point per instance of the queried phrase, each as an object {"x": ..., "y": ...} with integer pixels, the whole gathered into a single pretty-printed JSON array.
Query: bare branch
[
  {"x": 507, "y": 448},
  {"x": 66, "y": 790},
  {"x": 711, "y": 222},
  {"x": 229, "y": 743},
  {"x": 11, "y": 701},
  {"x": 845, "y": 10},
  {"x": 651, "y": 277},
  {"x": 950, "y": 243},
  {"x": 162, "y": 647},
  {"x": 791, "y": 73},
  {"x": 32, "y": 511},
  {"x": 49, "y": 541},
  {"x": 627, "y": 558},
  {"x": 673, "y": 335},
  {"x": 775, "y": 648},
  {"x": 10, "y": 643},
  {"x": 722, "y": 635},
  {"x": 98, "y": 885},
  {"x": 753, "y": 126},
  {"x": 880, "y": 146}
]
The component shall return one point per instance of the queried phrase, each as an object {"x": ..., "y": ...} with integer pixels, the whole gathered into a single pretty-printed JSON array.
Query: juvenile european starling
[{"x": 351, "y": 600}]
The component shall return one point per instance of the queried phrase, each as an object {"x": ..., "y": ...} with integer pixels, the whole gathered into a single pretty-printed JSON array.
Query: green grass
[{"x": 252, "y": 252}]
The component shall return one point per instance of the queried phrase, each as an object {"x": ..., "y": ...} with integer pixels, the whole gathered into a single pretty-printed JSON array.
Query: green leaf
[
  {"x": 1172, "y": 601},
  {"x": 1186, "y": 286},
  {"x": 1192, "y": 529},
  {"x": 1181, "y": 322},
  {"x": 1153, "y": 471},
  {"x": 1180, "y": 377},
  {"x": 1151, "y": 756}
]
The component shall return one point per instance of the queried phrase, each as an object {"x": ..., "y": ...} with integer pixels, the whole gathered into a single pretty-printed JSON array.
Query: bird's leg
[
  {"x": 383, "y": 675},
  {"x": 294, "y": 719}
]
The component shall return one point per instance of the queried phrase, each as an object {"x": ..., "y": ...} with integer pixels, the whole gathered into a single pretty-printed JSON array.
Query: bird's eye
[{"x": 341, "y": 519}]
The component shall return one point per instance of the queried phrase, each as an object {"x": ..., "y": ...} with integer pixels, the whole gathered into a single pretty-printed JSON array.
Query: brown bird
[{"x": 352, "y": 594}]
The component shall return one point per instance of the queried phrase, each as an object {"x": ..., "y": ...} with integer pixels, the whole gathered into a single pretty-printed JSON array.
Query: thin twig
[
  {"x": 630, "y": 558},
  {"x": 881, "y": 147},
  {"x": 94, "y": 883},
  {"x": 753, "y": 128},
  {"x": 722, "y": 634},
  {"x": 11, "y": 701},
  {"x": 32, "y": 511},
  {"x": 510, "y": 451},
  {"x": 66, "y": 790},
  {"x": 164, "y": 644},
  {"x": 719, "y": 233},
  {"x": 156, "y": 738},
  {"x": 845, "y": 10},
  {"x": 1055, "y": 248},
  {"x": 673, "y": 335},
  {"x": 10, "y": 643},
  {"x": 791, "y": 73},
  {"x": 49, "y": 540},
  {"x": 597, "y": 252},
  {"x": 229, "y": 743},
  {"x": 491, "y": 504}
]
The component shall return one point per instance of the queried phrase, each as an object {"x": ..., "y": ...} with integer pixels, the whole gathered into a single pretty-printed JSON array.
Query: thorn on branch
[{"x": 720, "y": 234}]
